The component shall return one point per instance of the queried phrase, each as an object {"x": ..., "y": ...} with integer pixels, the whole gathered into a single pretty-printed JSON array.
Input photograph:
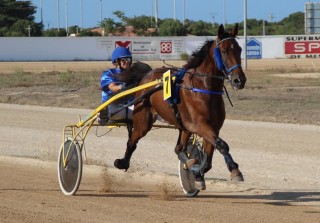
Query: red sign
[
  {"x": 122, "y": 44},
  {"x": 166, "y": 47},
  {"x": 302, "y": 47}
]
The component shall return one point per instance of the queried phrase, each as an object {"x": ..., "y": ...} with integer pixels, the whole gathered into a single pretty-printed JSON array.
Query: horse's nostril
[{"x": 237, "y": 81}]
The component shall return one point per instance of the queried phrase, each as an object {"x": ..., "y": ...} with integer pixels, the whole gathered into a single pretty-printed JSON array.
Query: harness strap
[
  {"x": 175, "y": 85},
  {"x": 178, "y": 117},
  {"x": 201, "y": 90},
  {"x": 207, "y": 91}
]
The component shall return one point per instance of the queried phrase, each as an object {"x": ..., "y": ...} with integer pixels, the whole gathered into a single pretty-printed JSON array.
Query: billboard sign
[
  {"x": 302, "y": 47},
  {"x": 146, "y": 48},
  {"x": 254, "y": 49}
]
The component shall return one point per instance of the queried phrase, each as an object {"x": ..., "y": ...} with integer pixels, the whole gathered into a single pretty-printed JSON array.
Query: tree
[
  {"x": 293, "y": 24},
  {"x": 16, "y": 17},
  {"x": 139, "y": 22},
  {"x": 88, "y": 32},
  {"x": 199, "y": 28},
  {"x": 109, "y": 25},
  {"x": 120, "y": 15},
  {"x": 171, "y": 27}
]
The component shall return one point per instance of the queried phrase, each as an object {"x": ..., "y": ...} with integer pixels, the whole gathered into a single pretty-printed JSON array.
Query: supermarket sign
[
  {"x": 254, "y": 49},
  {"x": 302, "y": 47}
]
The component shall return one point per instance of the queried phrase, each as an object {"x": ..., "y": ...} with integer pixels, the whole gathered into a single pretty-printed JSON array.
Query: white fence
[{"x": 147, "y": 48}]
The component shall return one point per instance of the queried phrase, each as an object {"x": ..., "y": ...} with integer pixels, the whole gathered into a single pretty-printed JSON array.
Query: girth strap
[{"x": 178, "y": 117}]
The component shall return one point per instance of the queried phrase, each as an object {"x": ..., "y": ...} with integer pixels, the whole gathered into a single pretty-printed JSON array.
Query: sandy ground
[
  {"x": 280, "y": 163},
  {"x": 285, "y": 65}
]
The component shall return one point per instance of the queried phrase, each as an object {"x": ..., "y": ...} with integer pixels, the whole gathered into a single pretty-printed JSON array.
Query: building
[{"x": 312, "y": 18}]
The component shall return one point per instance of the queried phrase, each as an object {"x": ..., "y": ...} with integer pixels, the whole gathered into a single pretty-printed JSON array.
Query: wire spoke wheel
[
  {"x": 69, "y": 175},
  {"x": 187, "y": 177},
  {"x": 187, "y": 181}
]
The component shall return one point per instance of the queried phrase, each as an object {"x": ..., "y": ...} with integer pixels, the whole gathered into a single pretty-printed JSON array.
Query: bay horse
[{"x": 199, "y": 107}]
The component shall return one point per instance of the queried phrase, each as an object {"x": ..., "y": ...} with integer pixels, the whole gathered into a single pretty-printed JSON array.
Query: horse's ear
[
  {"x": 220, "y": 31},
  {"x": 235, "y": 30}
]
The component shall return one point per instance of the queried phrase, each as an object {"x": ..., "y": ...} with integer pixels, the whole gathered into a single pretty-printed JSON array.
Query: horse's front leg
[
  {"x": 191, "y": 155},
  {"x": 233, "y": 167},
  {"x": 180, "y": 149},
  {"x": 212, "y": 140}
]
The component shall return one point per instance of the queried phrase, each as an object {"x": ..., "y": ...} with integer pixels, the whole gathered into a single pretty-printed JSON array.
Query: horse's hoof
[
  {"x": 200, "y": 182},
  {"x": 236, "y": 175},
  {"x": 201, "y": 185},
  {"x": 121, "y": 164}
]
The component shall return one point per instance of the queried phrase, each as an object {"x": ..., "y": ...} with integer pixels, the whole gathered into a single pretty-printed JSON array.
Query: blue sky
[{"x": 194, "y": 10}]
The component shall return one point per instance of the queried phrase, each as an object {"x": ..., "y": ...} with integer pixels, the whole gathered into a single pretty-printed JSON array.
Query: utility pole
[
  {"x": 29, "y": 30},
  {"x": 224, "y": 13},
  {"x": 184, "y": 12},
  {"x": 58, "y": 15},
  {"x": 271, "y": 17},
  {"x": 263, "y": 27},
  {"x": 41, "y": 11},
  {"x": 101, "y": 17},
  {"x": 156, "y": 15},
  {"x": 213, "y": 17},
  {"x": 245, "y": 34},
  {"x": 151, "y": 18},
  {"x": 174, "y": 10},
  {"x": 81, "y": 13},
  {"x": 66, "y": 11}
]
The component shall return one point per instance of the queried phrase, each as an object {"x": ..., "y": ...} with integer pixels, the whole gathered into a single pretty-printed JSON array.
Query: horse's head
[{"x": 227, "y": 55}]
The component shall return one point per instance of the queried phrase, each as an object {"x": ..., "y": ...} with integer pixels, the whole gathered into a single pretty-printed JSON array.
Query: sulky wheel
[
  {"x": 187, "y": 178},
  {"x": 187, "y": 181},
  {"x": 69, "y": 175}
]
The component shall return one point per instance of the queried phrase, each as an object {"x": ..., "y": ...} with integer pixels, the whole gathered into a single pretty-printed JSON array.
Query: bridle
[{"x": 221, "y": 65}]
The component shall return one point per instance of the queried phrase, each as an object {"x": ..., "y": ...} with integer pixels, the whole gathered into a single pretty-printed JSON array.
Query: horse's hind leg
[
  {"x": 233, "y": 167},
  {"x": 142, "y": 123}
]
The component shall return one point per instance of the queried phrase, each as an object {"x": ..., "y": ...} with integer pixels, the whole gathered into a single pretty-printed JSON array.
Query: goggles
[{"x": 125, "y": 59}]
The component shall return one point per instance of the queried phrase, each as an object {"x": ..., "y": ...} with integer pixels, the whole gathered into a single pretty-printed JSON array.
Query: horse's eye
[{"x": 223, "y": 51}]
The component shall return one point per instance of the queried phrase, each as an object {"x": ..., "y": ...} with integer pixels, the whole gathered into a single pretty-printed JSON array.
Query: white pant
[{"x": 122, "y": 114}]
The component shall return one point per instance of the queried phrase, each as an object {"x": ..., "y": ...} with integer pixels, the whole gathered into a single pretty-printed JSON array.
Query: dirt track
[
  {"x": 266, "y": 64},
  {"x": 280, "y": 163}
]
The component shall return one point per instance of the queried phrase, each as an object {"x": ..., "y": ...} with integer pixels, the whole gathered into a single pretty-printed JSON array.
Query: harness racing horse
[{"x": 198, "y": 106}]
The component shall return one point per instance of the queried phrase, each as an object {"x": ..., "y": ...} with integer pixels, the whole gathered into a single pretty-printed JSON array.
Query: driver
[{"x": 111, "y": 85}]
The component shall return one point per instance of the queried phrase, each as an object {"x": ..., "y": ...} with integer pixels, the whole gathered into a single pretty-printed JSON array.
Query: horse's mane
[{"x": 198, "y": 56}]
